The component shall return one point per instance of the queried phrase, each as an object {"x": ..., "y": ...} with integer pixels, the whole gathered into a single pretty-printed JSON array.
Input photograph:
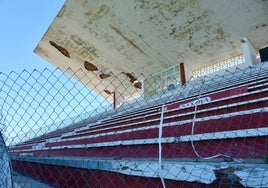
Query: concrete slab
[{"x": 21, "y": 181}]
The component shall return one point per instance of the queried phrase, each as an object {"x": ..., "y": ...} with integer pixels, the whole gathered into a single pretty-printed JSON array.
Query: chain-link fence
[{"x": 85, "y": 129}]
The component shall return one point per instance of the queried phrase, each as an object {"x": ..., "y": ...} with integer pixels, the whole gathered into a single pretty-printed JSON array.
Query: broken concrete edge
[{"x": 250, "y": 173}]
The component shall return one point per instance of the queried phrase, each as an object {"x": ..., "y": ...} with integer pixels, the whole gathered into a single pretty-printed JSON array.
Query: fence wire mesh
[{"x": 81, "y": 129}]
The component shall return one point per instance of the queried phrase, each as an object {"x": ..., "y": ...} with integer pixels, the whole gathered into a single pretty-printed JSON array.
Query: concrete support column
[
  {"x": 249, "y": 52},
  {"x": 185, "y": 74},
  {"x": 182, "y": 74}
]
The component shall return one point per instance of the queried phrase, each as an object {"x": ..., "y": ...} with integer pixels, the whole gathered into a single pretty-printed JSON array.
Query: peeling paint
[
  {"x": 174, "y": 6},
  {"x": 89, "y": 66},
  {"x": 142, "y": 36},
  {"x": 96, "y": 14},
  {"x": 138, "y": 85},
  {"x": 165, "y": 11},
  {"x": 129, "y": 75},
  {"x": 131, "y": 42},
  {"x": 82, "y": 49},
  {"x": 104, "y": 76},
  {"x": 108, "y": 92},
  {"x": 220, "y": 34},
  {"x": 60, "y": 49},
  {"x": 193, "y": 25}
]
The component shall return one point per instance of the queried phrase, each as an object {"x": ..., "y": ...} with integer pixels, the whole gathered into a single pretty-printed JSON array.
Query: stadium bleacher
[{"x": 223, "y": 119}]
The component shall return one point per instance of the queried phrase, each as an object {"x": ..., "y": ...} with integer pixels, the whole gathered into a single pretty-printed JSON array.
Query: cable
[
  {"x": 160, "y": 146},
  {"x": 192, "y": 131}
]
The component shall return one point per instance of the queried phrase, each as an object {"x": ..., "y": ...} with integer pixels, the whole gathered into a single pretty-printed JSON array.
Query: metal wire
[{"x": 74, "y": 129}]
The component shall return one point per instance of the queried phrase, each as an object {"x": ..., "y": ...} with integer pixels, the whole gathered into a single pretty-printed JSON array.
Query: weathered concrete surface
[
  {"x": 144, "y": 37},
  {"x": 250, "y": 173},
  {"x": 21, "y": 181}
]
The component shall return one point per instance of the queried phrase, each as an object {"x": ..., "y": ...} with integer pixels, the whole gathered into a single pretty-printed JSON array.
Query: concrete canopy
[{"x": 141, "y": 37}]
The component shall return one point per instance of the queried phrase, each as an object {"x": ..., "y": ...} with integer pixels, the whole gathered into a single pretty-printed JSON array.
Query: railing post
[{"x": 114, "y": 100}]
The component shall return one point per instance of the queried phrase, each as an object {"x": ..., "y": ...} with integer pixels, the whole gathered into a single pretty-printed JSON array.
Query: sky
[
  {"x": 29, "y": 100},
  {"x": 23, "y": 24}
]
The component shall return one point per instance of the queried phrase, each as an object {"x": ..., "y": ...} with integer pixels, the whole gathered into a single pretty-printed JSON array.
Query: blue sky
[
  {"x": 28, "y": 99},
  {"x": 23, "y": 24}
]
